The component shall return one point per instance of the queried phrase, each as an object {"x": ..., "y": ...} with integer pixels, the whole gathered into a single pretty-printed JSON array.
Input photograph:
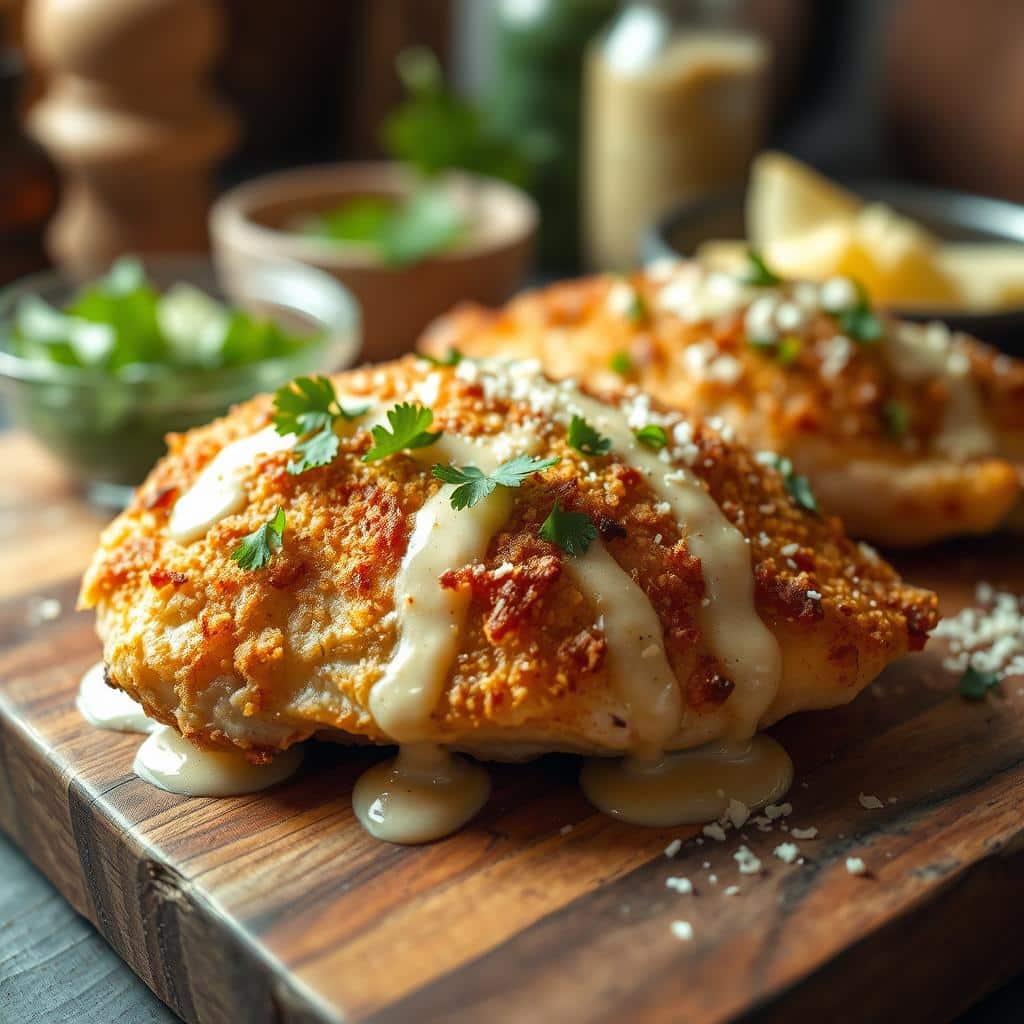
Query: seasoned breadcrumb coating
[
  {"x": 262, "y": 659},
  {"x": 865, "y": 434}
]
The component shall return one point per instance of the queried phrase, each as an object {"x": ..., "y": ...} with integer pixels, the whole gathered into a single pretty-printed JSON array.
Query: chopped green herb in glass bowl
[{"x": 100, "y": 372}]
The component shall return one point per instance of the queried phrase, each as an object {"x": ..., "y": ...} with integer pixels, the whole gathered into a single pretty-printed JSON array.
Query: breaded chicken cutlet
[
  {"x": 909, "y": 433},
  {"x": 487, "y": 560}
]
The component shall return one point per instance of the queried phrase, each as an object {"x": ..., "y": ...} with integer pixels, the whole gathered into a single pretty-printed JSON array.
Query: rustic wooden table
[{"x": 55, "y": 967}]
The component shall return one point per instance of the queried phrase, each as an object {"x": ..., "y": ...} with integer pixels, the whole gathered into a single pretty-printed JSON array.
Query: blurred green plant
[{"x": 431, "y": 131}]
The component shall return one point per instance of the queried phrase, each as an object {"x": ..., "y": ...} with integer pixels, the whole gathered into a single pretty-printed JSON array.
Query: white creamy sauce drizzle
[
  {"x": 430, "y": 617},
  {"x": 168, "y": 761},
  {"x": 745, "y": 647},
  {"x": 423, "y": 794},
  {"x": 107, "y": 708},
  {"x": 689, "y": 786},
  {"x": 218, "y": 491},
  {"x": 638, "y": 665}
]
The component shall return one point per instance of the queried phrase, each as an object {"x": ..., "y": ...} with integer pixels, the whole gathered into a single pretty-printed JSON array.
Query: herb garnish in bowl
[
  {"x": 432, "y": 131},
  {"x": 100, "y": 373}
]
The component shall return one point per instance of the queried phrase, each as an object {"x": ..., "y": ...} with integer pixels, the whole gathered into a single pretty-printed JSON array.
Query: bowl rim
[
  {"x": 654, "y": 241},
  {"x": 345, "y": 338},
  {"x": 233, "y": 227}
]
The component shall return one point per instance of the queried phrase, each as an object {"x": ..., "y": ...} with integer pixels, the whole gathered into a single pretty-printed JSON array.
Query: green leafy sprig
[
  {"x": 798, "y": 487},
  {"x": 308, "y": 407},
  {"x": 975, "y": 684},
  {"x": 257, "y": 548},
  {"x": 757, "y": 274},
  {"x": 584, "y": 438},
  {"x": 573, "y": 532},
  {"x": 409, "y": 423},
  {"x": 652, "y": 436},
  {"x": 473, "y": 485}
]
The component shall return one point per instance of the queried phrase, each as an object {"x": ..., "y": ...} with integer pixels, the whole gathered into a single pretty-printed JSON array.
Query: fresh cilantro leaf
[
  {"x": 652, "y": 436},
  {"x": 896, "y": 416},
  {"x": 861, "y": 324},
  {"x": 451, "y": 358},
  {"x": 799, "y": 487},
  {"x": 573, "y": 532},
  {"x": 761, "y": 344},
  {"x": 409, "y": 424},
  {"x": 637, "y": 311},
  {"x": 308, "y": 407},
  {"x": 974, "y": 684},
  {"x": 256, "y": 549},
  {"x": 473, "y": 485},
  {"x": 859, "y": 321},
  {"x": 756, "y": 272},
  {"x": 316, "y": 449},
  {"x": 789, "y": 349},
  {"x": 584, "y": 438},
  {"x": 514, "y": 471},
  {"x": 621, "y": 363}
]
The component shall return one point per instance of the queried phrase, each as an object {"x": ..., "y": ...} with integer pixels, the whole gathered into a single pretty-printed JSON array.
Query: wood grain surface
[{"x": 277, "y": 907}]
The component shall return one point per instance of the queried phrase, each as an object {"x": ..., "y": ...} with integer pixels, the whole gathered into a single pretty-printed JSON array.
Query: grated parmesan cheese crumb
[
  {"x": 856, "y": 866},
  {"x": 681, "y": 885},
  {"x": 747, "y": 863},
  {"x": 714, "y": 831},
  {"x": 787, "y": 852},
  {"x": 737, "y": 812},
  {"x": 673, "y": 848},
  {"x": 870, "y": 803},
  {"x": 803, "y": 833},
  {"x": 682, "y": 930}
]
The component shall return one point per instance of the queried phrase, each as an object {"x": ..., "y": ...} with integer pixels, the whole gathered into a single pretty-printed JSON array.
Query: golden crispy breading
[
  {"x": 264, "y": 658},
  {"x": 865, "y": 434}
]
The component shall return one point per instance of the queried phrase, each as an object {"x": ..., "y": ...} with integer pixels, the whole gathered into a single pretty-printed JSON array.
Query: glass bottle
[
  {"x": 536, "y": 94},
  {"x": 28, "y": 182},
  {"x": 673, "y": 109}
]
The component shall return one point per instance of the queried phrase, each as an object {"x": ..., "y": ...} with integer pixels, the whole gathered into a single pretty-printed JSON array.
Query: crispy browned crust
[
  {"x": 822, "y": 420},
  {"x": 264, "y": 658}
]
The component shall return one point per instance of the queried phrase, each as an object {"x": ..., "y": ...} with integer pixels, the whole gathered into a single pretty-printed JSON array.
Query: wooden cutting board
[{"x": 278, "y": 908}]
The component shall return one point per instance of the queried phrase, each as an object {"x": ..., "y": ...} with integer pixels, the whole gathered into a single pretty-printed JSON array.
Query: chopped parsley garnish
[
  {"x": 473, "y": 485},
  {"x": 409, "y": 423},
  {"x": 896, "y": 416},
  {"x": 308, "y": 407},
  {"x": 584, "y": 438},
  {"x": 799, "y": 487},
  {"x": 859, "y": 321},
  {"x": 256, "y": 549},
  {"x": 621, "y": 363},
  {"x": 451, "y": 358},
  {"x": 637, "y": 312},
  {"x": 789, "y": 349},
  {"x": 974, "y": 684},
  {"x": 757, "y": 273},
  {"x": 573, "y": 532},
  {"x": 652, "y": 436},
  {"x": 785, "y": 350}
]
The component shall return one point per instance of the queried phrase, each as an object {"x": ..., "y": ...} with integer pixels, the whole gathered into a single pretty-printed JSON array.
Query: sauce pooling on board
[
  {"x": 168, "y": 761},
  {"x": 426, "y": 792}
]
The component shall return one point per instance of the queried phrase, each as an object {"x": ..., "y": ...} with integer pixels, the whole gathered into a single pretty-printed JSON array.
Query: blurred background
[{"x": 928, "y": 90}]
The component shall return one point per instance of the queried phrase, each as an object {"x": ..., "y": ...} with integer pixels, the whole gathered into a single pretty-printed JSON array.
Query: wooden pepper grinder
[{"x": 130, "y": 122}]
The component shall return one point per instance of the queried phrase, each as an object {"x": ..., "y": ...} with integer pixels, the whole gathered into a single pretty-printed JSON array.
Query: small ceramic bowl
[
  {"x": 257, "y": 221},
  {"x": 952, "y": 216},
  {"x": 109, "y": 429}
]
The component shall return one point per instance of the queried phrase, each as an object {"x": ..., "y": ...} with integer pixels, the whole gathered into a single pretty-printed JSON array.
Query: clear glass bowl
[{"x": 109, "y": 430}]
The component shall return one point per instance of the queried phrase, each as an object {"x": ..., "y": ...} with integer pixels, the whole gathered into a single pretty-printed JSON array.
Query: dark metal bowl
[{"x": 953, "y": 216}]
